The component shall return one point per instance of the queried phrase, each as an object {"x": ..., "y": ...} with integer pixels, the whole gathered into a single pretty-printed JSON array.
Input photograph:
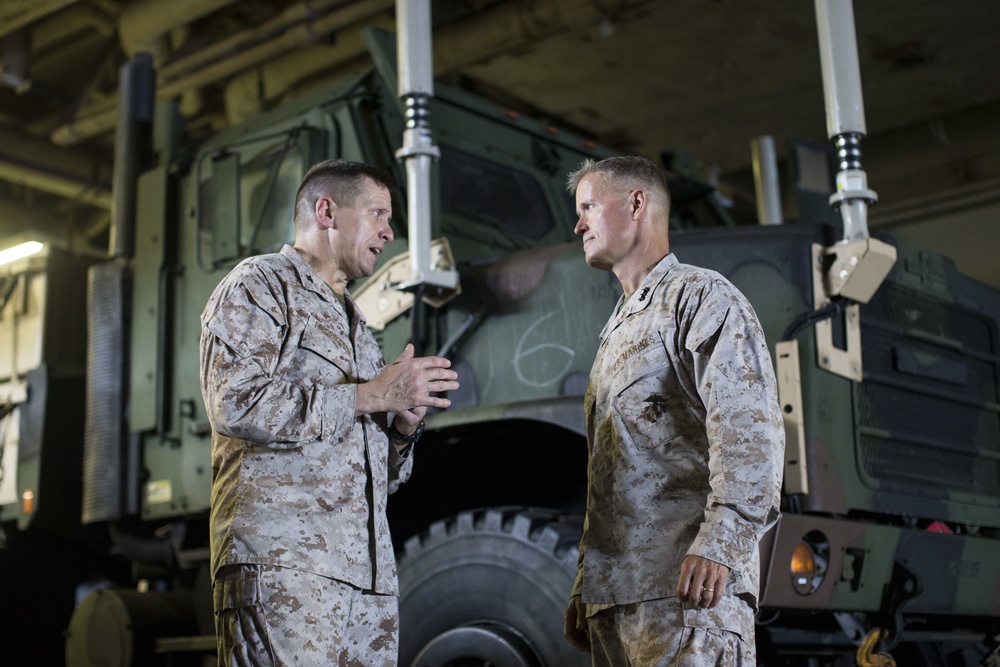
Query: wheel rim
[{"x": 485, "y": 643}]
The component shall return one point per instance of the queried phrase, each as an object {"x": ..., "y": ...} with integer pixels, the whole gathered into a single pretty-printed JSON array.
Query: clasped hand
[{"x": 407, "y": 387}]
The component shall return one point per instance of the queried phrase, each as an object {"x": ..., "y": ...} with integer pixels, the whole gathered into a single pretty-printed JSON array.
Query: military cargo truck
[{"x": 890, "y": 539}]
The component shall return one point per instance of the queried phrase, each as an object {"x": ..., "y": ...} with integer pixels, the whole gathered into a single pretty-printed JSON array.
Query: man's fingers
[
  {"x": 426, "y": 367},
  {"x": 683, "y": 586},
  {"x": 438, "y": 379},
  {"x": 435, "y": 362},
  {"x": 707, "y": 595},
  {"x": 442, "y": 374},
  {"x": 702, "y": 582},
  {"x": 443, "y": 385},
  {"x": 411, "y": 383},
  {"x": 433, "y": 384},
  {"x": 575, "y": 625},
  {"x": 708, "y": 591}
]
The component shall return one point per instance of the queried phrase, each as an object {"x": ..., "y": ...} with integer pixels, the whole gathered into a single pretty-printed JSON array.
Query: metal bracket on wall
[
  {"x": 845, "y": 361},
  {"x": 796, "y": 479},
  {"x": 380, "y": 298}
]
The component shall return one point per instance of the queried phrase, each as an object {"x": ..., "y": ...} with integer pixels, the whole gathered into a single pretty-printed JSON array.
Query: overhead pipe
[
  {"x": 39, "y": 165},
  {"x": 291, "y": 40},
  {"x": 16, "y": 217},
  {"x": 143, "y": 23},
  {"x": 50, "y": 34},
  {"x": 247, "y": 93},
  {"x": 301, "y": 16},
  {"x": 481, "y": 35},
  {"x": 101, "y": 117},
  {"x": 509, "y": 26},
  {"x": 24, "y": 14}
]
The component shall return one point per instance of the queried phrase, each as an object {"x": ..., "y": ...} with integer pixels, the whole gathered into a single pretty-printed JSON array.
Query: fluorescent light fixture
[{"x": 17, "y": 252}]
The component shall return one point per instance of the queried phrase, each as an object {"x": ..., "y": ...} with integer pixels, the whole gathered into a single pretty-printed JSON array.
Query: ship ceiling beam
[{"x": 69, "y": 173}]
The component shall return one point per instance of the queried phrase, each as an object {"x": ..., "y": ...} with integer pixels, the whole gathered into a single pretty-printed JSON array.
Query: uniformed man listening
[
  {"x": 685, "y": 440},
  {"x": 311, "y": 432}
]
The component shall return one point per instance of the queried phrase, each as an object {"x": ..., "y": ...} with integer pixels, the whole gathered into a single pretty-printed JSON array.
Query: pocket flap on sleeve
[{"x": 237, "y": 589}]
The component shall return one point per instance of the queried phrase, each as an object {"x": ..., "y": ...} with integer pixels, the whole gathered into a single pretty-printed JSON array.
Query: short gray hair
[
  {"x": 626, "y": 172},
  {"x": 341, "y": 180}
]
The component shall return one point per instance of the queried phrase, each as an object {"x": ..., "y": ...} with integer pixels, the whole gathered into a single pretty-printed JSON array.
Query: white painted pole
[
  {"x": 845, "y": 115},
  {"x": 416, "y": 87}
]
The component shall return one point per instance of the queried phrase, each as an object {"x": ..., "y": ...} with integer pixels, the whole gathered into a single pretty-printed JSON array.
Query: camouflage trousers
[
  {"x": 268, "y": 616},
  {"x": 654, "y": 634}
]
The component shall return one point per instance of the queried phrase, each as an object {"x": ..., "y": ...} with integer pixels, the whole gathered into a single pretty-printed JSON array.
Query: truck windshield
[{"x": 488, "y": 192}]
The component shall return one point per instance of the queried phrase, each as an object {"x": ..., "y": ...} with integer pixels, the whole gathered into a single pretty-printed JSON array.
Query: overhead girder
[
  {"x": 69, "y": 173},
  {"x": 276, "y": 45},
  {"x": 17, "y": 14}
]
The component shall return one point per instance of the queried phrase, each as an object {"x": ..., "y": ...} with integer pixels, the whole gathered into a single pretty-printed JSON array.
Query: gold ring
[{"x": 710, "y": 590}]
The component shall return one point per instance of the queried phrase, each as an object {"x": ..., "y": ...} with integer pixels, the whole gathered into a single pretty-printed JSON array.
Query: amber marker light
[
  {"x": 28, "y": 501},
  {"x": 809, "y": 563},
  {"x": 803, "y": 563}
]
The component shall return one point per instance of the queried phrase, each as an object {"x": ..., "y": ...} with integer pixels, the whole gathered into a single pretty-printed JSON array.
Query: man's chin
[{"x": 366, "y": 271}]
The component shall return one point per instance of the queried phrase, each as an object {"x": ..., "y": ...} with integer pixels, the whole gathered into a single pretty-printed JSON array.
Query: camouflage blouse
[
  {"x": 686, "y": 443},
  {"x": 280, "y": 363}
]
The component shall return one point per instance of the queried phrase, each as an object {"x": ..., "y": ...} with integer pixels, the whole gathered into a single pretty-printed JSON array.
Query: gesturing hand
[{"x": 407, "y": 385}]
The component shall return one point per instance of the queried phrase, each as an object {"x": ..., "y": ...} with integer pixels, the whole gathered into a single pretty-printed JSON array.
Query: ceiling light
[{"x": 17, "y": 252}]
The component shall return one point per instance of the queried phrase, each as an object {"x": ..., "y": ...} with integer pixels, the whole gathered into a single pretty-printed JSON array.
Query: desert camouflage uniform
[
  {"x": 686, "y": 448},
  {"x": 298, "y": 481},
  {"x": 654, "y": 634}
]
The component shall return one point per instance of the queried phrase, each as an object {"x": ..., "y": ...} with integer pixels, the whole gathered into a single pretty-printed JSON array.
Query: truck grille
[{"x": 928, "y": 415}]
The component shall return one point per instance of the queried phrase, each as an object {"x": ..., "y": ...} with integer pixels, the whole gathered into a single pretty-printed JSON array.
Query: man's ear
[
  {"x": 637, "y": 203},
  {"x": 326, "y": 212}
]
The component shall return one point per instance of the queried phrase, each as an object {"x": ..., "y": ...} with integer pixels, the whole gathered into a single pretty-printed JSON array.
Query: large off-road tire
[{"x": 489, "y": 587}]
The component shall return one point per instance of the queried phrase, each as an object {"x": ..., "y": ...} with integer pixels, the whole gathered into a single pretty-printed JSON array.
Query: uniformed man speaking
[
  {"x": 685, "y": 440},
  {"x": 310, "y": 432}
]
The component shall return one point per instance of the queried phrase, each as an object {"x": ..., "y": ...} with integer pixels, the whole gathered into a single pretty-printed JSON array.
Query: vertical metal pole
[
  {"x": 416, "y": 87},
  {"x": 136, "y": 101},
  {"x": 845, "y": 116},
  {"x": 765, "y": 180}
]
